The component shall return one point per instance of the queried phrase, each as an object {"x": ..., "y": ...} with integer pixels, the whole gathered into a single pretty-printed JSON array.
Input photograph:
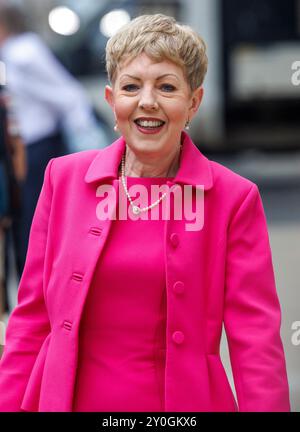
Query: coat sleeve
[
  {"x": 252, "y": 314},
  {"x": 28, "y": 324}
]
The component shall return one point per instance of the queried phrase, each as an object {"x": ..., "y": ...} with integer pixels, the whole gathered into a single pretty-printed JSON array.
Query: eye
[
  {"x": 169, "y": 87},
  {"x": 129, "y": 87}
]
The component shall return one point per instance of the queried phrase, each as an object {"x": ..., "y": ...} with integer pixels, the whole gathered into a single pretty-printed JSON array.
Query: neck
[{"x": 152, "y": 167}]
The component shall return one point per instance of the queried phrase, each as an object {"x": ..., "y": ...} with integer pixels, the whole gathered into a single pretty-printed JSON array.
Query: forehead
[{"x": 144, "y": 67}]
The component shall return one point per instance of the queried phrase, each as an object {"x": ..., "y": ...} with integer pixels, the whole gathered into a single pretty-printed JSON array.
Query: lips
[
  {"x": 149, "y": 130},
  {"x": 149, "y": 119}
]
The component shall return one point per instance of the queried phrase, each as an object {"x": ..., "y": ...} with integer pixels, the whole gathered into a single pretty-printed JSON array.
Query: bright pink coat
[{"x": 224, "y": 271}]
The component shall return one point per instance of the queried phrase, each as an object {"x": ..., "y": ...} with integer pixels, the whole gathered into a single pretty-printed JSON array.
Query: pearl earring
[
  {"x": 187, "y": 125},
  {"x": 116, "y": 127}
]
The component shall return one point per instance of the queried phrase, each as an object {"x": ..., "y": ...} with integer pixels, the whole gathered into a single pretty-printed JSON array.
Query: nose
[{"x": 147, "y": 100}]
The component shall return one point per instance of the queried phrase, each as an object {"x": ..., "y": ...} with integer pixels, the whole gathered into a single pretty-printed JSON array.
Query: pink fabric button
[
  {"x": 178, "y": 337},
  {"x": 67, "y": 325},
  {"x": 178, "y": 287},
  {"x": 77, "y": 276},
  {"x": 174, "y": 239}
]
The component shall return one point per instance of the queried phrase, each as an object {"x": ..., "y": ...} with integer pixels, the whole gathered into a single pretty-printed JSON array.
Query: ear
[
  {"x": 196, "y": 100},
  {"x": 109, "y": 96}
]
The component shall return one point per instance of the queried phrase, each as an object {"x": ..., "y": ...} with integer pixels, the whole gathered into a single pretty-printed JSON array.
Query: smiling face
[{"x": 145, "y": 89}]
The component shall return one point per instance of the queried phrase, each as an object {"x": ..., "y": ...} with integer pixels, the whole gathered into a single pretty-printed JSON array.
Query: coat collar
[{"x": 195, "y": 168}]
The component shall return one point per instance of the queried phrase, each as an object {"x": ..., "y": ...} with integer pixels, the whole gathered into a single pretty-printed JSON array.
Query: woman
[{"x": 125, "y": 313}]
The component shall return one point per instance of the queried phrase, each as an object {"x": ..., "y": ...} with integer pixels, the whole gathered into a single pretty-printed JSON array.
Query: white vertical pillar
[{"x": 204, "y": 16}]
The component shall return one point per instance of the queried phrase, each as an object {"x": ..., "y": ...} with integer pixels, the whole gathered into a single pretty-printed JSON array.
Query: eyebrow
[{"x": 138, "y": 79}]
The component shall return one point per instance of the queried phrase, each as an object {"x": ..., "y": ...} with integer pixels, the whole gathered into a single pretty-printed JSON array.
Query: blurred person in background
[
  {"x": 15, "y": 164},
  {"x": 12, "y": 173},
  {"x": 3, "y": 200},
  {"x": 129, "y": 317},
  {"x": 49, "y": 104}
]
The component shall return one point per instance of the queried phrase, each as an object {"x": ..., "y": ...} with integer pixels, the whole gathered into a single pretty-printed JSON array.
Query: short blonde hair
[{"x": 160, "y": 37}]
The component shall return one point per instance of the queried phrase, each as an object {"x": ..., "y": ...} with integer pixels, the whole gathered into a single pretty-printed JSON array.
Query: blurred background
[{"x": 249, "y": 119}]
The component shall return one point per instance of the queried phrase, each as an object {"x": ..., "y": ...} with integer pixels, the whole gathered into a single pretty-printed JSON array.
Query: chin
[{"x": 141, "y": 144}]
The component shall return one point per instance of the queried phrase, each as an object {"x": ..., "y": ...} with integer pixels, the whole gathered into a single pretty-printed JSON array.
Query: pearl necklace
[{"x": 135, "y": 209}]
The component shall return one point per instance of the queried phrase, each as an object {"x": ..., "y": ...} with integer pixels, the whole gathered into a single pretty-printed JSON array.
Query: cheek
[
  {"x": 124, "y": 110},
  {"x": 176, "y": 110},
  {"x": 178, "y": 114}
]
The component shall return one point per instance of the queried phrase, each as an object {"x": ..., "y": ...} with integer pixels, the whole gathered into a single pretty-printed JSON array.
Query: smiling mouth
[
  {"x": 149, "y": 129},
  {"x": 157, "y": 125}
]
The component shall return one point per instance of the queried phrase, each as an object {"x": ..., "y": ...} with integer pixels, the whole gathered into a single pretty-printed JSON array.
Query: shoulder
[
  {"x": 74, "y": 165},
  {"x": 232, "y": 189},
  {"x": 22, "y": 49},
  {"x": 228, "y": 180}
]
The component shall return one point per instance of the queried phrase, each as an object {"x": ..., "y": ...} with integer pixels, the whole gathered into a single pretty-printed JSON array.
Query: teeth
[{"x": 150, "y": 123}]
